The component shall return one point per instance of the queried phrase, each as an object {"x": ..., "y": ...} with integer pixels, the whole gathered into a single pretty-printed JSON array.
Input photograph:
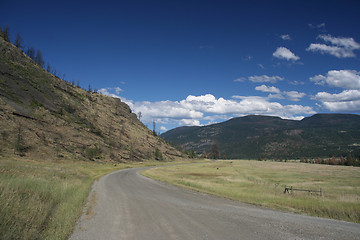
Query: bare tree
[
  {"x": 214, "y": 152},
  {"x": 39, "y": 58},
  {"x": 19, "y": 42},
  {"x": 154, "y": 128},
  {"x": 31, "y": 53},
  {"x": 48, "y": 67},
  {"x": 139, "y": 115}
]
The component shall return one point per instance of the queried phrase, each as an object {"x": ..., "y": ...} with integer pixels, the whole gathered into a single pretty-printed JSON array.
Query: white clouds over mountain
[
  {"x": 204, "y": 109},
  {"x": 349, "y": 99}
]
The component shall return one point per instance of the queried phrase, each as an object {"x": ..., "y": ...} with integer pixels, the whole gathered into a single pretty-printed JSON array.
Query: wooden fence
[{"x": 291, "y": 189}]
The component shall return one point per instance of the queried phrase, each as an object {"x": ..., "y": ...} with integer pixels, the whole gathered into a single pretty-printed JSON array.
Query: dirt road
[{"x": 126, "y": 205}]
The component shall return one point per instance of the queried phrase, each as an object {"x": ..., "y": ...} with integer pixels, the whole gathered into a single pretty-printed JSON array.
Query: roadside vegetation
[
  {"x": 43, "y": 199},
  {"x": 263, "y": 184}
]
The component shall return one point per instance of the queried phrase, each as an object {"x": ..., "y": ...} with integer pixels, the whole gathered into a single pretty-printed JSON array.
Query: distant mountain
[
  {"x": 321, "y": 135},
  {"x": 44, "y": 117}
]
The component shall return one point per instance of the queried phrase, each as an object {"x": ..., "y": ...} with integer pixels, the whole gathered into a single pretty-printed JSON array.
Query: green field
[
  {"x": 44, "y": 199},
  {"x": 263, "y": 183}
]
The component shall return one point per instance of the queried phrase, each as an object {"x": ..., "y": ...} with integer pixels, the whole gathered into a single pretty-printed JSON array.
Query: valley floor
[{"x": 262, "y": 183}]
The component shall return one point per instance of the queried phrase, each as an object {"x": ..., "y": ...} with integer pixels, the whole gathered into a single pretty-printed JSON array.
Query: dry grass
[
  {"x": 262, "y": 183},
  {"x": 44, "y": 199}
]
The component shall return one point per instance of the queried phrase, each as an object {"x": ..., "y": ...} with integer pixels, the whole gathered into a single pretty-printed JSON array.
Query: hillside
[
  {"x": 44, "y": 117},
  {"x": 321, "y": 135}
]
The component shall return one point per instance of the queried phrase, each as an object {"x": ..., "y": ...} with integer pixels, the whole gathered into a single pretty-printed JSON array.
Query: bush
[{"x": 158, "y": 155}]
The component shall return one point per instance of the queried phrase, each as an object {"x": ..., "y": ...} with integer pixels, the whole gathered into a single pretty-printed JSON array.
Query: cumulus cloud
[
  {"x": 189, "y": 122},
  {"x": 284, "y": 53},
  {"x": 346, "y": 101},
  {"x": 291, "y": 95},
  {"x": 107, "y": 91},
  {"x": 285, "y": 37},
  {"x": 346, "y": 95},
  {"x": 163, "y": 128},
  {"x": 348, "y": 79},
  {"x": 205, "y": 109},
  {"x": 340, "y": 47},
  {"x": 264, "y": 88},
  {"x": 294, "y": 95}
]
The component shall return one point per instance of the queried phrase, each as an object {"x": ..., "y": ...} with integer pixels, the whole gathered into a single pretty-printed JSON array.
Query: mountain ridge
[{"x": 257, "y": 136}]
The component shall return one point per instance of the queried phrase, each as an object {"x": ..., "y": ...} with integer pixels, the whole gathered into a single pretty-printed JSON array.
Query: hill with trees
[
  {"x": 266, "y": 137},
  {"x": 43, "y": 116}
]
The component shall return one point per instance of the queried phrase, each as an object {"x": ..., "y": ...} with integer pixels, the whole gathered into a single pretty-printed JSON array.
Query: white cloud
[
  {"x": 265, "y": 79},
  {"x": 284, "y": 53},
  {"x": 346, "y": 95},
  {"x": 208, "y": 109},
  {"x": 294, "y": 95},
  {"x": 189, "y": 122},
  {"x": 321, "y": 25},
  {"x": 348, "y": 79},
  {"x": 264, "y": 88},
  {"x": 118, "y": 90},
  {"x": 163, "y": 128},
  {"x": 242, "y": 79},
  {"x": 291, "y": 95},
  {"x": 285, "y": 37},
  {"x": 341, "y": 47},
  {"x": 341, "y": 41},
  {"x": 346, "y": 101},
  {"x": 350, "y": 106},
  {"x": 194, "y": 109},
  {"x": 297, "y": 83},
  {"x": 107, "y": 91}
]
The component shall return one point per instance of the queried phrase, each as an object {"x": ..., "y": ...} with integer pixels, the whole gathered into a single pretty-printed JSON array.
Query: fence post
[{"x": 320, "y": 192}]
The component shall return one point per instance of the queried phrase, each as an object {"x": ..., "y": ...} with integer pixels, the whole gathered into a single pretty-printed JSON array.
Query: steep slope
[
  {"x": 42, "y": 116},
  {"x": 321, "y": 135}
]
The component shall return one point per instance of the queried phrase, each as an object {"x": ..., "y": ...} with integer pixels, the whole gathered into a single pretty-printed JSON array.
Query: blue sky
[{"x": 201, "y": 62}]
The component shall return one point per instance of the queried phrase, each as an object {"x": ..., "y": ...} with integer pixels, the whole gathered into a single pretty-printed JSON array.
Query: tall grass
[
  {"x": 262, "y": 184},
  {"x": 43, "y": 200}
]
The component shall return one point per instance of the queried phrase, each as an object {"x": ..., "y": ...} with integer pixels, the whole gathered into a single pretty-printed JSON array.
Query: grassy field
[
  {"x": 42, "y": 199},
  {"x": 262, "y": 184}
]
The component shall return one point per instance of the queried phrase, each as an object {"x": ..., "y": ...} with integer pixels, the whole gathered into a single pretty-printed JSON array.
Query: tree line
[{"x": 37, "y": 56}]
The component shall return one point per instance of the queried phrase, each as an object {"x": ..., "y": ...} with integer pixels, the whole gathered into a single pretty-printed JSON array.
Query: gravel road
[{"x": 126, "y": 205}]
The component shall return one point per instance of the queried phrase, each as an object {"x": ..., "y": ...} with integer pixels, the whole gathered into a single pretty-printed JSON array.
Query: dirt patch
[
  {"x": 204, "y": 174},
  {"x": 89, "y": 211}
]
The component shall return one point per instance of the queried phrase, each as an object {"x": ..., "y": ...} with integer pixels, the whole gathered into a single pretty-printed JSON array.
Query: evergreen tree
[
  {"x": 214, "y": 151},
  {"x": 6, "y": 33}
]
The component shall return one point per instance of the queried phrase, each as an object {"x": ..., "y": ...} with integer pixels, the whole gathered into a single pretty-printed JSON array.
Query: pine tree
[{"x": 6, "y": 33}]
